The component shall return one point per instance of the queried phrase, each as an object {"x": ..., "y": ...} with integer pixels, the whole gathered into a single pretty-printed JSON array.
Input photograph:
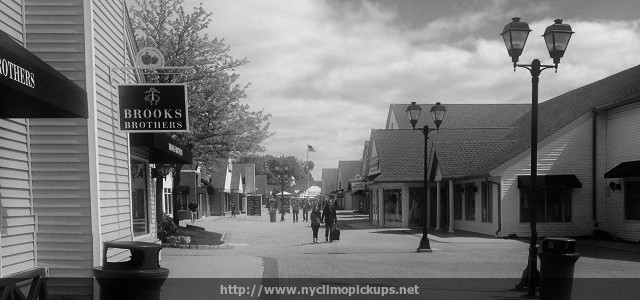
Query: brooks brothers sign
[{"x": 153, "y": 107}]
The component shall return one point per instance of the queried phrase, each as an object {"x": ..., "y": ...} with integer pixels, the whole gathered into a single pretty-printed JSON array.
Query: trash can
[
  {"x": 138, "y": 278},
  {"x": 557, "y": 259},
  {"x": 272, "y": 215}
]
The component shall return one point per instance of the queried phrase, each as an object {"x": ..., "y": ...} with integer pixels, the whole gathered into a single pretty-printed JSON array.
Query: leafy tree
[
  {"x": 220, "y": 125},
  {"x": 266, "y": 164}
]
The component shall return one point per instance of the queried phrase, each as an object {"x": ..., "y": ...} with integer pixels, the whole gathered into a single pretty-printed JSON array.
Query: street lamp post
[
  {"x": 437, "y": 112},
  {"x": 557, "y": 38},
  {"x": 282, "y": 175}
]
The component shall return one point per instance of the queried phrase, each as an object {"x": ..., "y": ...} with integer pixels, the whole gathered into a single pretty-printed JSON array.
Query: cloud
[{"x": 327, "y": 71}]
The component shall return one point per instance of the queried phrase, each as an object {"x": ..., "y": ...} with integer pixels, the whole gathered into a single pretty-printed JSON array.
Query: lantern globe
[
  {"x": 515, "y": 36},
  {"x": 557, "y": 38}
]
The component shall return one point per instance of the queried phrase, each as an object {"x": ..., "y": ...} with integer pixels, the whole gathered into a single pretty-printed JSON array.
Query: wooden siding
[
  {"x": 622, "y": 140},
  {"x": 11, "y": 18},
  {"x": 566, "y": 152},
  {"x": 60, "y": 159},
  {"x": 18, "y": 223}
]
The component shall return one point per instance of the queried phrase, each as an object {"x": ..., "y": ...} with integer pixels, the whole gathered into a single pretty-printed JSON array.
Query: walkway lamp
[
  {"x": 557, "y": 38},
  {"x": 437, "y": 113}
]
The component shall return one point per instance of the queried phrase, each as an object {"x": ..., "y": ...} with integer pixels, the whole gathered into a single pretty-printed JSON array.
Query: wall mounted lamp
[{"x": 615, "y": 186}]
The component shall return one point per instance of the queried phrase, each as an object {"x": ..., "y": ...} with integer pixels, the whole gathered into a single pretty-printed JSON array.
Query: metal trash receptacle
[
  {"x": 141, "y": 277},
  {"x": 557, "y": 260}
]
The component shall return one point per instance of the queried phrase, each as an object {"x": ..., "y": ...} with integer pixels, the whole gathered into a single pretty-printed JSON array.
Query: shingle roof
[
  {"x": 475, "y": 153},
  {"x": 348, "y": 169},
  {"x": 219, "y": 173},
  {"x": 464, "y": 115},
  {"x": 329, "y": 180},
  {"x": 558, "y": 112},
  {"x": 461, "y": 152}
]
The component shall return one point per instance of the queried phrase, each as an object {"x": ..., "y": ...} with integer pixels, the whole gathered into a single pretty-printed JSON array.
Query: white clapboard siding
[
  {"x": 17, "y": 226},
  {"x": 566, "y": 152},
  {"x": 11, "y": 21},
  {"x": 59, "y": 147},
  {"x": 113, "y": 154},
  {"x": 622, "y": 144}
]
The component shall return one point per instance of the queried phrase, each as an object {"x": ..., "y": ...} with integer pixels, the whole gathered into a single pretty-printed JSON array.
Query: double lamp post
[
  {"x": 437, "y": 113},
  {"x": 557, "y": 38},
  {"x": 282, "y": 175}
]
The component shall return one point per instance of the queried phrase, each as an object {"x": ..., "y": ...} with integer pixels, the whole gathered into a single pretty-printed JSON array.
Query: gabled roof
[
  {"x": 329, "y": 180},
  {"x": 464, "y": 115},
  {"x": 461, "y": 153},
  {"x": 347, "y": 169},
  {"x": 507, "y": 127},
  {"x": 219, "y": 172},
  {"x": 558, "y": 112}
]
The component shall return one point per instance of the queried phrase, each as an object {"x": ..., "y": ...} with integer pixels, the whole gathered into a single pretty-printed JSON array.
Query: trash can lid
[
  {"x": 559, "y": 245},
  {"x": 132, "y": 245}
]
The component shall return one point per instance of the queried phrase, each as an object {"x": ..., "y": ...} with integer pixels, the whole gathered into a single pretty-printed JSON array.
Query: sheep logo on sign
[{"x": 152, "y": 96}]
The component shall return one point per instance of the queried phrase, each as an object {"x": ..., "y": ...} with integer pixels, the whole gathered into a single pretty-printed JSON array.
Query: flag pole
[{"x": 307, "y": 198}]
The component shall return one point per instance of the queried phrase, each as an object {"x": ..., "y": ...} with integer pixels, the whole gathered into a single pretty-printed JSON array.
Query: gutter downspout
[
  {"x": 499, "y": 208},
  {"x": 594, "y": 207}
]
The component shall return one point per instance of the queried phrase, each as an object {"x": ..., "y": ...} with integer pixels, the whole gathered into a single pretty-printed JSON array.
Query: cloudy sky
[{"x": 327, "y": 70}]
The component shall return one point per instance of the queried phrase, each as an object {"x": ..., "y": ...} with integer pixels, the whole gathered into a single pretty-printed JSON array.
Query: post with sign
[{"x": 254, "y": 205}]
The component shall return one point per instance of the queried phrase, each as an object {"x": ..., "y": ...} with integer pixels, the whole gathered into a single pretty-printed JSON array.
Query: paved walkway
[{"x": 282, "y": 253}]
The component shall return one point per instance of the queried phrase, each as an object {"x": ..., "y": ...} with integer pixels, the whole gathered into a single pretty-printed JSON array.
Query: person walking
[
  {"x": 305, "y": 212},
  {"x": 329, "y": 217},
  {"x": 296, "y": 211},
  {"x": 315, "y": 222},
  {"x": 233, "y": 210}
]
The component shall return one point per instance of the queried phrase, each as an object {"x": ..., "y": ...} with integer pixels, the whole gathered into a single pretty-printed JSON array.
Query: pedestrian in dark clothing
[
  {"x": 296, "y": 211},
  {"x": 233, "y": 210},
  {"x": 330, "y": 219},
  {"x": 315, "y": 222},
  {"x": 305, "y": 212}
]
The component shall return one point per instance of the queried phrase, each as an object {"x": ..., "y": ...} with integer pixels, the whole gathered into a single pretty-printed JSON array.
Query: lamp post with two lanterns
[
  {"x": 437, "y": 113},
  {"x": 557, "y": 38}
]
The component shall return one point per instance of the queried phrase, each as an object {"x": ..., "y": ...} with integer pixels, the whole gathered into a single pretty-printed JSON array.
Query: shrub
[{"x": 168, "y": 227}]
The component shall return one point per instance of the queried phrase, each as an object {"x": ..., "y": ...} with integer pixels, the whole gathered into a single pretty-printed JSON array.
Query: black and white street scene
[{"x": 319, "y": 149}]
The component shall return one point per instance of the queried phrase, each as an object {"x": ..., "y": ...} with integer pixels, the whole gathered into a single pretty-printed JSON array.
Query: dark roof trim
[
  {"x": 625, "y": 169},
  {"x": 33, "y": 89},
  {"x": 569, "y": 181},
  {"x": 617, "y": 104}
]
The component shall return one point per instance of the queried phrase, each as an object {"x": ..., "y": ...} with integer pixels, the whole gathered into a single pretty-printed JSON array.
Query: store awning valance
[
  {"x": 569, "y": 181},
  {"x": 163, "y": 149},
  {"x": 30, "y": 88},
  {"x": 625, "y": 169}
]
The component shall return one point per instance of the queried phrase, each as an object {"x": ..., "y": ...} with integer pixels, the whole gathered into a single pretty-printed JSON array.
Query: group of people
[
  {"x": 328, "y": 217},
  {"x": 320, "y": 213}
]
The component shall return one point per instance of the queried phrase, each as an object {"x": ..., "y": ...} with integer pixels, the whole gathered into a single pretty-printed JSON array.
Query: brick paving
[{"x": 286, "y": 252}]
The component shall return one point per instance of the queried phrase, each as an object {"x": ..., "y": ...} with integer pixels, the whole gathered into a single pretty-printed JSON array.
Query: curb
[
  {"x": 224, "y": 245},
  {"x": 195, "y": 246}
]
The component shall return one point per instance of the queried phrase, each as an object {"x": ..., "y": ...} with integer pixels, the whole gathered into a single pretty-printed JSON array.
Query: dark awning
[
  {"x": 625, "y": 169},
  {"x": 163, "y": 149},
  {"x": 570, "y": 181},
  {"x": 30, "y": 88}
]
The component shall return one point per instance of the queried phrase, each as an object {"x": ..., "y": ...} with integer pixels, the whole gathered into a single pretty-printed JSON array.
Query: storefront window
[
  {"x": 487, "y": 203},
  {"x": 553, "y": 205},
  {"x": 457, "y": 202},
  {"x": 374, "y": 206},
  {"x": 632, "y": 200},
  {"x": 168, "y": 201},
  {"x": 393, "y": 206},
  {"x": 470, "y": 202},
  {"x": 139, "y": 199},
  {"x": 416, "y": 198}
]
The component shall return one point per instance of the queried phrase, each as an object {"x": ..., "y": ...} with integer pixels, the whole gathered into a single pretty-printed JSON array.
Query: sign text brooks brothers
[{"x": 153, "y": 107}]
